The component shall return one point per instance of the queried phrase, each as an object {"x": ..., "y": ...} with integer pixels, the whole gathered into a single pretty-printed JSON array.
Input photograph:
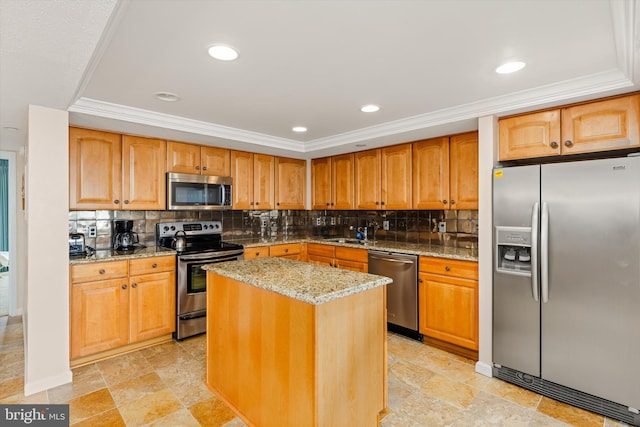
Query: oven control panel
[{"x": 169, "y": 229}]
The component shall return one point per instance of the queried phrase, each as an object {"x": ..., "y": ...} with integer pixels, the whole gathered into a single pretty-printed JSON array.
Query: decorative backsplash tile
[{"x": 403, "y": 226}]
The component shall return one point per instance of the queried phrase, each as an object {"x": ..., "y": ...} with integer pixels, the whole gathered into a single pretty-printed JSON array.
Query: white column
[{"x": 46, "y": 308}]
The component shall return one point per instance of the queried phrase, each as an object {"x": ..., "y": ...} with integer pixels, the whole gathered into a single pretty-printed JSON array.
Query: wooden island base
[{"x": 278, "y": 361}]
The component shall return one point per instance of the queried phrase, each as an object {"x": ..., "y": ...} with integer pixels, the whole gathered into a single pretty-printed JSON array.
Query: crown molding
[
  {"x": 150, "y": 118},
  {"x": 626, "y": 26}
]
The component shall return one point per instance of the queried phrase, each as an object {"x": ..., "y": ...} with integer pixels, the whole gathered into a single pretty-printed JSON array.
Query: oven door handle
[{"x": 209, "y": 256}]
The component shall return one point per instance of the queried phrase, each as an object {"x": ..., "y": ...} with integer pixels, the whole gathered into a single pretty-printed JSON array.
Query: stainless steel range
[{"x": 198, "y": 243}]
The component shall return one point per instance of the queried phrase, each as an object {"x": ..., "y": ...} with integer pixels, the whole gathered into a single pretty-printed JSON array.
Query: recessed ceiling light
[
  {"x": 369, "y": 108},
  {"x": 299, "y": 129},
  {"x": 223, "y": 52},
  {"x": 510, "y": 67},
  {"x": 10, "y": 128},
  {"x": 167, "y": 96}
]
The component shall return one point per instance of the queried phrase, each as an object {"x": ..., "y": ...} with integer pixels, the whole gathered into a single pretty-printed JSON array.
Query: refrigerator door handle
[
  {"x": 544, "y": 252},
  {"x": 534, "y": 251}
]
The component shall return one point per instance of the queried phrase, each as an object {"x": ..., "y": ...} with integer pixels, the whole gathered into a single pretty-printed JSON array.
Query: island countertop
[{"x": 310, "y": 283}]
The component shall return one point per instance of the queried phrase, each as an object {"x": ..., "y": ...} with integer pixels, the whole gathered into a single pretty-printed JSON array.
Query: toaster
[{"x": 76, "y": 244}]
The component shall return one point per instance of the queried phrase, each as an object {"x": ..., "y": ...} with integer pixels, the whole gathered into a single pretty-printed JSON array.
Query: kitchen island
[{"x": 297, "y": 344}]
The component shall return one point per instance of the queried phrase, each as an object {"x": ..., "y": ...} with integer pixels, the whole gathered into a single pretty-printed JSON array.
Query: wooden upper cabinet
[
  {"x": 431, "y": 174},
  {"x": 321, "y": 183},
  {"x": 396, "y": 177},
  {"x": 95, "y": 169},
  {"x": 367, "y": 179},
  {"x": 290, "y": 183},
  {"x": 199, "y": 159},
  {"x": 584, "y": 128},
  {"x": 242, "y": 174},
  {"x": 215, "y": 161},
  {"x": 143, "y": 173},
  {"x": 263, "y": 181},
  {"x": 463, "y": 171},
  {"x": 603, "y": 125},
  {"x": 531, "y": 135},
  {"x": 342, "y": 183}
]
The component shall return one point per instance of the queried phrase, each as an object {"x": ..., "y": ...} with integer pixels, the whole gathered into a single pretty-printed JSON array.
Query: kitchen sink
[{"x": 346, "y": 240}]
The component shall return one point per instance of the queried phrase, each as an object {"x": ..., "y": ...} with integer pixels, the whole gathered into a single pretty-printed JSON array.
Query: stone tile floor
[{"x": 164, "y": 386}]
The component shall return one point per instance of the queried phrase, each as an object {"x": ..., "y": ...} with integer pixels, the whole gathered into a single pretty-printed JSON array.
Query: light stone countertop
[
  {"x": 310, "y": 283},
  {"x": 110, "y": 255},
  {"x": 381, "y": 245}
]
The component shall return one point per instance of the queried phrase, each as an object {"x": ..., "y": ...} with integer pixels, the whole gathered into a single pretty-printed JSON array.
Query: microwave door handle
[{"x": 221, "y": 194}]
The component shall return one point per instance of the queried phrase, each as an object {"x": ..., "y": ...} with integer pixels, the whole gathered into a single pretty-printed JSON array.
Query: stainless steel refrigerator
[{"x": 566, "y": 282}]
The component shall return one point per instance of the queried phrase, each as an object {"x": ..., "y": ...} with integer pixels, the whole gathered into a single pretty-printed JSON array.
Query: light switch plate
[
  {"x": 93, "y": 232},
  {"x": 385, "y": 225},
  {"x": 442, "y": 227}
]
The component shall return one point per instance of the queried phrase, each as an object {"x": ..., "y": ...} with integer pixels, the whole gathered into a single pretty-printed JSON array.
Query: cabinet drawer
[
  {"x": 320, "y": 250},
  {"x": 152, "y": 265},
  {"x": 98, "y": 271},
  {"x": 359, "y": 255},
  {"x": 288, "y": 249},
  {"x": 449, "y": 267},
  {"x": 256, "y": 252}
]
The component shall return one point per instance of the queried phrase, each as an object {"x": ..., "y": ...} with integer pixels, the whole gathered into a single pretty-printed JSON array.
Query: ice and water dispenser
[{"x": 513, "y": 250}]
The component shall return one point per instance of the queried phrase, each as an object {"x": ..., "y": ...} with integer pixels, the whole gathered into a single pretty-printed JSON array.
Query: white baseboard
[
  {"x": 47, "y": 383},
  {"x": 484, "y": 369}
]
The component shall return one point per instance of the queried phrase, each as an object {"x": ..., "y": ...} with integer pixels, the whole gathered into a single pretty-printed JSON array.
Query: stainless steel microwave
[{"x": 198, "y": 192}]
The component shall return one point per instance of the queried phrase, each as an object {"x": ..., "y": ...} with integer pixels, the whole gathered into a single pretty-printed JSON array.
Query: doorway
[{"x": 7, "y": 233}]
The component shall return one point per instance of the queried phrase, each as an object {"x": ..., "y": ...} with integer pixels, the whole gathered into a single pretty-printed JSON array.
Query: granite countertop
[
  {"x": 310, "y": 283},
  {"x": 111, "y": 255},
  {"x": 407, "y": 248}
]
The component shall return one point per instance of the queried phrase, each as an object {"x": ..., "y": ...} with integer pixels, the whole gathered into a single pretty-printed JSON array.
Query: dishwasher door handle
[{"x": 393, "y": 260}]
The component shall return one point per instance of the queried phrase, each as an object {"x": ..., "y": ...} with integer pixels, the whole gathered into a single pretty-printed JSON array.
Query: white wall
[
  {"x": 46, "y": 308},
  {"x": 487, "y": 156}
]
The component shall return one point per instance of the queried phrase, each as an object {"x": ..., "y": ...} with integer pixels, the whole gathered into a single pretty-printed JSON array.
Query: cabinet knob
[
  {"x": 154, "y": 265},
  {"x": 568, "y": 143},
  {"x": 116, "y": 202},
  {"x": 553, "y": 144},
  {"x": 286, "y": 250},
  {"x": 332, "y": 203},
  {"x": 444, "y": 202},
  {"x": 420, "y": 281},
  {"x": 197, "y": 168},
  {"x": 278, "y": 204},
  {"x": 257, "y": 203},
  {"x": 328, "y": 204},
  {"x": 126, "y": 202},
  {"x": 251, "y": 203},
  {"x": 134, "y": 285},
  {"x": 377, "y": 203},
  {"x": 447, "y": 268},
  {"x": 257, "y": 253},
  {"x": 124, "y": 286},
  {"x": 453, "y": 202},
  {"x": 102, "y": 271},
  {"x": 382, "y": 203},
  {"x": 204, "y": 168}
]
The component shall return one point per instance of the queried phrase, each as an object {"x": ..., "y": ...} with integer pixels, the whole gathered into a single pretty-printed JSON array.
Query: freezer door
[
  {"x": 516, "y": 313},
  {"x": 591, "y": 320}
]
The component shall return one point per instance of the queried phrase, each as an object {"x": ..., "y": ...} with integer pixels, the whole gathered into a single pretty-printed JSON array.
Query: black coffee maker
[{"x": 124, "y": 239}]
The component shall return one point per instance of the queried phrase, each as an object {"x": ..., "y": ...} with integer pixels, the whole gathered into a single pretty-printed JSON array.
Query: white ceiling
[{"x": 429, "y": 64}]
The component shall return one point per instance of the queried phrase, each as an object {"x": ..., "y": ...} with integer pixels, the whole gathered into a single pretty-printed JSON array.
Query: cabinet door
[
  {"x": 603, "y": 125},
  {"x": 342, "y": 185},
  {"x": 463, "y": 171},
  {"x": 286, "y": 250},
  {"x": 321, "y": 183},
  {"x": 263, "y": 181},
  {"x": 215, "y": 161},
  {"x": 290, "y": 183},
  {"x": 396, "y": 177},
  {"x": 256, "y": 252},
  {"x": 143, "y": 177},
  {"x": 152, "y": 306},
  {"x": 367, "y": 179},
  {"x": 95, "y": 174},
  {"x": 320, "y": 260},
  {"x": 99, "y": 316},
  {"x": 242, "y": 174},
  {"x": 183, "y": 157},
  {"x": 352, "y": 259},
  {"x": 431, "y": 174},
  {"x": 449, "y": 309},
  {"x": 530, "y": 135}
]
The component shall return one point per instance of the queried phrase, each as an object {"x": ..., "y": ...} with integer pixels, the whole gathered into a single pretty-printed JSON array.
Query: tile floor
[{"x": 164, "y": 386}]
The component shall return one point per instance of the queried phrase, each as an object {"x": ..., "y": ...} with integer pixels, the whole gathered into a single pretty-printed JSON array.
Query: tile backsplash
[{"x": 403, "y": 226}]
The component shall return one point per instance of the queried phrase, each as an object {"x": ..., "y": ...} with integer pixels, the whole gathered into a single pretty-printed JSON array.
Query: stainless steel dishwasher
[{"x": 402, "y": 294}]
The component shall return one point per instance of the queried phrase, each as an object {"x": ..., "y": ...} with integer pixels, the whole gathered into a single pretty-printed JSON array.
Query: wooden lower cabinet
[
  {"x": 117, "y": 303},
  {"x": 338, "y": 256},
  {"x": 256, "y": 252},
  {"x": 448, "y": 303},
  {"x": 288, "y": 250}
]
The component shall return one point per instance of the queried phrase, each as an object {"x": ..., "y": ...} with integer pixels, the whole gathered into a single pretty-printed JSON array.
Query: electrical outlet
[
  {"x": 93, "y": 232},
  {"x": 333, "y": 220},
  {"x": 318, "y": 221},
  {"x": 264, "y": 223},
  {"x": 385, "y": 225},
  {"x": 442, "y": 227}
]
